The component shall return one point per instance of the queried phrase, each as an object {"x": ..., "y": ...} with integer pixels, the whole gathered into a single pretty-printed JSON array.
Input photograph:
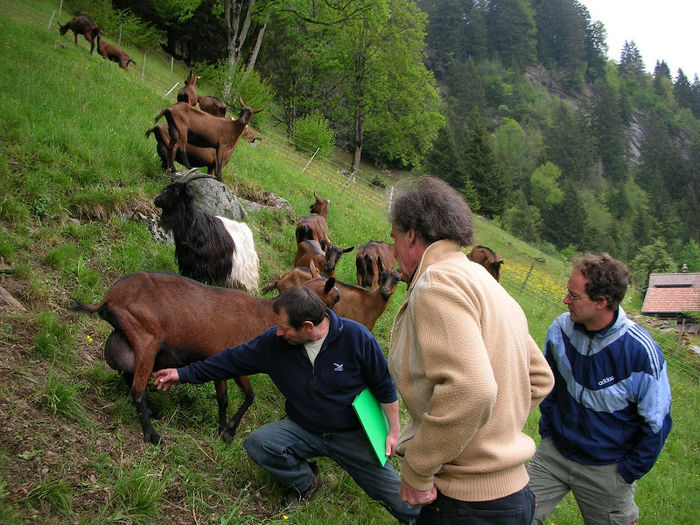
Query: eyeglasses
[{"x": 574, "y": 297}]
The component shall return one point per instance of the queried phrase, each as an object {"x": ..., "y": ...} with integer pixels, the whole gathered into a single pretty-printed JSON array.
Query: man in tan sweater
[{"x": 466, "y": 367}]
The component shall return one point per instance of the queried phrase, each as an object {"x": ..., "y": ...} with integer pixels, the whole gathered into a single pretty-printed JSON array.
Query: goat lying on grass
[
  {"x": 210, "y": 249},
  {"x": 189, "y": 124},
  {"x": 162, "y": 320},
  {"x": 110, "y": 51},
  {"x": 80, "y": 25}
]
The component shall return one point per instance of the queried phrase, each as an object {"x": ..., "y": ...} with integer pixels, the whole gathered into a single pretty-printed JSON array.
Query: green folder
[{"x": 373, "y": 420}]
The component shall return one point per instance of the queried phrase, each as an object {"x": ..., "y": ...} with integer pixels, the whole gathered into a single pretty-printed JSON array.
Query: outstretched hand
[{"x": 164, "y": 379}]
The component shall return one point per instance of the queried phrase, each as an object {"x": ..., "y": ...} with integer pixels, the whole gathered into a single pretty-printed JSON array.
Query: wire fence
[{"x": 540, "y": 297}]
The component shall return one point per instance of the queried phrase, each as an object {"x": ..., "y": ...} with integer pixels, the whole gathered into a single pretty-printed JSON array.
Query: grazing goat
[
  {"x": 325, "y": 260},
  {"x": 110, "y": 51},
  {"x": 80, "y": 25},
  {"x": 204, "y": 130},
  {"x": 487, "y": 258},
  {"x": 314, "y": 226},
  {"x": 188, "y": 93},
  {"x": 362, "y": 305},
  {"x": 366, "y": 261},
  {"x": 163, "y": 320},
  {"x": 197, "y": 157},
  {"x": 212, "y": 250},
  {"x": 211, "y": 105}
]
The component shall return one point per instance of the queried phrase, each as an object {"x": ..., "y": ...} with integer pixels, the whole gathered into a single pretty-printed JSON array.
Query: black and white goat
[{"x": 209, "y": 249}]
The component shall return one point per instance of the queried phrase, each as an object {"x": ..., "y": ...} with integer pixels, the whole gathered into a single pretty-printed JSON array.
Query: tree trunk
[
  {"x": 357, "y": 139},
  {"x": 256, "y": 48},
  {"x": 236, "y": 37}
]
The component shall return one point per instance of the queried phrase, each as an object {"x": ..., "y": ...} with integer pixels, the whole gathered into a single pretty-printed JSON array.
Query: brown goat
[
  {"x": 487, "y": 258},
  {"x": 163, "y": 320},
  {"x": 362, "y": 305},
  {"x": 251, "y": 135},
  {"x": 204, "y": 130},
  {"x": 110, "y": 51},
  {"x": 325, "y": 260},
  {"x": 314, "y": 226},
  {"x": 366, "y": 261},
  {"x": 197, "y": 157},
  {"x": 80, "y": 25},
  {"x": 188, "y": 93},
  {"x": 295, "y": 277},
  {"x": 211, "y": 105}
]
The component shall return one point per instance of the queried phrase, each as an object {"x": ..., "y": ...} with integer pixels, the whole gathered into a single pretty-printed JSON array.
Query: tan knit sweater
[{"x": 469, "y": 374}]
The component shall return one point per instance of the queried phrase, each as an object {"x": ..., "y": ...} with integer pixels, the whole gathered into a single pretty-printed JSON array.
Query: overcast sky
[{"x": 661, "y": 29}]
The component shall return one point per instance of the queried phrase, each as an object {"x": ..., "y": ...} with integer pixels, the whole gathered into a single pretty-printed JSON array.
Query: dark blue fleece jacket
[{"x": 318, "y": 397}]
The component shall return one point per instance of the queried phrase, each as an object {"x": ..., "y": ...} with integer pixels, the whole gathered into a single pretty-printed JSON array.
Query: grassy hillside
[{"x": 74, "y": 167}]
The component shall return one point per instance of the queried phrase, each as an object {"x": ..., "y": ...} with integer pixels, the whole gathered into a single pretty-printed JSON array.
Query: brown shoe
[{"x": 293, "y": 497}]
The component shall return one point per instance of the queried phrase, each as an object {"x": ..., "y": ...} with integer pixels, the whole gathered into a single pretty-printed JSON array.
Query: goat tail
[
  {"x": 269, "y": 287},
  {"x": 83, "y": 307},
  {"x": 160, "y": 115},
  {"x": 130, "y": 60}
]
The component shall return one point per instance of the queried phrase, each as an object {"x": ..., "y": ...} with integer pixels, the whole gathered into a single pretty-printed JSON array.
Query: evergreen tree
[
  {"x": 562, "y": 222},
  {"x": 512, "y": 32},
  {"x": 523, "y": 220},
  {"x": 568, "y": 141},
  {"x": 609, "y": 128},
  {"x": 663, "y": 84},
  {"x": 690, "y": 256},
  {"x": 631, "y": 63},
  {"x": 561, "y": 38},
  {"x": 481, "y": 166},
  {"x": 653, "y": 258},
  {"x": 682, "y": 90}
]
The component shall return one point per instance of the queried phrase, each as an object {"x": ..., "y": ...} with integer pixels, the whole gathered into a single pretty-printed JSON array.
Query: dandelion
[
  {"x": 89, "y": 339},
  {"x": 285, "y": 517}
]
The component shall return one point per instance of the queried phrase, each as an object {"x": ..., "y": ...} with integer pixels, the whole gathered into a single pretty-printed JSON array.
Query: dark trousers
[{"x": 516, "y": 509}]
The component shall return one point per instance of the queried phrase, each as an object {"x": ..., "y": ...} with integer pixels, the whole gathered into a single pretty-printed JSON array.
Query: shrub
[{"x": 312, "y": 132}]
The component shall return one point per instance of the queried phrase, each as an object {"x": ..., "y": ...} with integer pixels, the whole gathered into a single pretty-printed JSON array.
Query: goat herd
[
  {"x": 163, "y": 320},
  {"x": 194, "y": 137}
]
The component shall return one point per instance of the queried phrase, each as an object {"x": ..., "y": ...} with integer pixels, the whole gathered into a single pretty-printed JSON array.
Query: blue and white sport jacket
[{"x": 611, "y": 399}]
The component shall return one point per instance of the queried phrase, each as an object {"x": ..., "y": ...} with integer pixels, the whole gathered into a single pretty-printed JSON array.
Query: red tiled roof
[{"x": 671, "y": 300}]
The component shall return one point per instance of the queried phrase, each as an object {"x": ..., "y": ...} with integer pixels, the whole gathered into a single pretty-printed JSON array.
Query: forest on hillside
[{"x": 513, "y": 102}]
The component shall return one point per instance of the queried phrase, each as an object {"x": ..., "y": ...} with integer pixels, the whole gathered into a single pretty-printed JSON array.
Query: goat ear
[
  {"x": 314, "y": 270},
  {"x": 347, "y": 250},
  {"x": 379, "y": 264},
  {"x": 330, "y": 283}
]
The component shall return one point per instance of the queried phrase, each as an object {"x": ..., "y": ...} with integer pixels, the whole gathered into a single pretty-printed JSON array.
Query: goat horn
[{"x": 188, "y": 177}]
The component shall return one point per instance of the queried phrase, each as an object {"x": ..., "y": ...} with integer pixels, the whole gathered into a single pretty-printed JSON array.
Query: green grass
[{"x": 74, "y": 165}]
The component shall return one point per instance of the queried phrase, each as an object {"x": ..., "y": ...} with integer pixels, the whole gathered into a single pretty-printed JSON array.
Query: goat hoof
[
  {"x": 227, "y": 436},
  {"x": 153, "y": 439}
]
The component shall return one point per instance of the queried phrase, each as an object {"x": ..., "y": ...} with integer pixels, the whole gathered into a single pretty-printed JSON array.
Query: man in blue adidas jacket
[
  {"x": 608, "y": 416},
  {"x": 319, "y": 362}
]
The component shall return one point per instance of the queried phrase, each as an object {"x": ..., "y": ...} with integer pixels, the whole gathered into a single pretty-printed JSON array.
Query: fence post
[
  {"x": 171, "y": 64},
  {"x": 351, "y": 178},
  {"x": 60, "y": 8},
  {"x": 51, "y": 19},
  {"x": 171, "y": 89},
  {"x": 312, "y": 158},
  {"x": 120, "y": 34},
  {"x": 143, "y": 66}
]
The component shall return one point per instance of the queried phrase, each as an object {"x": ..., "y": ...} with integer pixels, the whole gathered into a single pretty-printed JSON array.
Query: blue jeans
[
  {"x": 516, "y": 509},
  {"x": 283, "y": 447}
]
